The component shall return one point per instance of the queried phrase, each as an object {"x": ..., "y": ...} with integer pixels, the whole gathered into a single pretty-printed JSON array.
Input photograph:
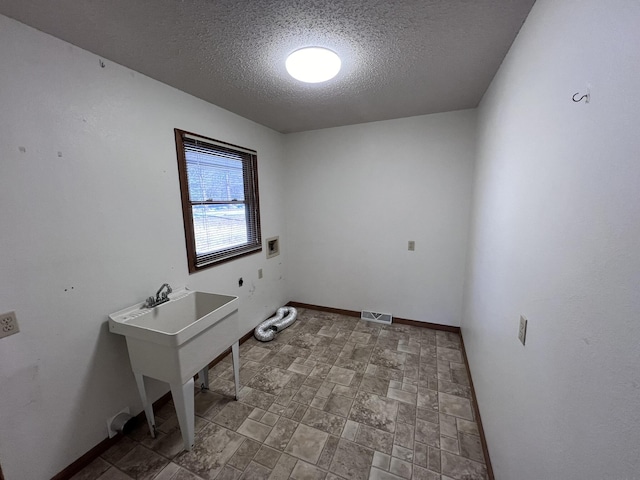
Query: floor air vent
[{"x": 376, "y": 317}]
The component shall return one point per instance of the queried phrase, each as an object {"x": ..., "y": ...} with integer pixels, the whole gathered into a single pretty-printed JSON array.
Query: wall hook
[
  {"x": 101, "y": 62},
  {"x": 586, "y": 95}
]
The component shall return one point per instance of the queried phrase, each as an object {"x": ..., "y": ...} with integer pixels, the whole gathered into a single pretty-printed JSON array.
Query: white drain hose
[{"x": 267, "y": 330}]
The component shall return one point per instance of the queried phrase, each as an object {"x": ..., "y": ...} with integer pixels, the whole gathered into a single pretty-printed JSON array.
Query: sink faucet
[{"x": 161, "y": 297}]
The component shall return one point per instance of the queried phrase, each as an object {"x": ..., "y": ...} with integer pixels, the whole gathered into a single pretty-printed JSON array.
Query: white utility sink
[{"x": 175, "y": 340}]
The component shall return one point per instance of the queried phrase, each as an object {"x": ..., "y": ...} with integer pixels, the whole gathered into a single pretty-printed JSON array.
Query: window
[{"x": 219, "y": 187}]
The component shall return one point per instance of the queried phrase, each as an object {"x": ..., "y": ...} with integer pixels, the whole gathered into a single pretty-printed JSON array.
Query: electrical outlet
[
  {"x": 522, "y": 331},
  {"x": 259, "y": 273},
  {"x": 412, "y": 245},
  {"x": 8, "y": 324}
]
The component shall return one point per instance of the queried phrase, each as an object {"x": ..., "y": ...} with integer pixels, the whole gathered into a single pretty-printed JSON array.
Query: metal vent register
[{"x": 386, "y": 318}]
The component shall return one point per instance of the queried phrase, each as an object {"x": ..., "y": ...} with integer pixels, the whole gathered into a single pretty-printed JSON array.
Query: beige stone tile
[
  {"x": 349, "y": 392},
  {"x": 454, "y": 389},
  {"x": 404, "y": 435},
  {"x": 257, "y": 414},
  {"x": 305, "y": 395},
  {"x": 381, "y": 460},
  {"x": 459, "y": 374},
  {"x": 377, "y": 474},
  {"x": 387, "y": 358},
  {"x": 402, "y": 453},
  {"x": 456, "y": 406},
  {"x": 350, "y": 430},
  {"x": 427, "y": 432},
  {"x": 318, "y": 402},
  {"x": 327, "y": 422},
  {"x": 420, "y": 454},
  {"x": 401, "y": 468},
  {"x": 325, "y": 390},
  {"x": 459, "y": 467},
  {"x": 256, "y": 398},
  {"x": 327, "y": 453},
  {"x": 304, "y": 471},
  {"x": 433, "y": 459},
  {"x": 448, "y": 425},
  {"x": 375, "y": 439},
  {"x": 351, "y": 461},
  {"x": 214, "y": 446},
  {"x": 227, "y": 473},
  {"x": 449, "y": 444},
  {"x": 340, "y": 375},
  {"x": 321, "y": 370},
  {"x": 252, "y": 429},
  {"x": 114, "y": 474},
  {"x": 467, "y": 427},
  {"x": 281, "y": 433},
  {"x": 283, "y": 468},
  {"x": 406, "y": 413},
  {"x": 376, "y": 385},
  {"x": 407, "y": 386},
  {"x": 427, "y": 398},
  {"x": 95, "y": 469},
  {"x": 374, "y": 411},
  {"x": 471, "y": 447},
  {"x": 169, "y": 472},
  {"x": 449, "y": 354},
  {"x": 428, "y": 415},
  {"x": 300, "y": 368},
  {"x": 269, "y": 419},
  {"x": 255, "y": 471},
  {"x": 232, "y": 415},
  {"x": 307, "y": 443},
  {"x": 420, "y": 473},
  {"x": 244, "y": 454},
  {"x": 141, "y": 463},
  {"x": 256, "y": 354},
  {"x": 339, "y": 405},
  {"x": 116, "y": 452},
  {"x": 267, "y": 456},
  {"x": 271, "y": 380},
  {"x": 402, "y": 396}
]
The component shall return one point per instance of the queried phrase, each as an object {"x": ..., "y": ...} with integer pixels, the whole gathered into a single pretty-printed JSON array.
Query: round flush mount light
[{"x": 313, "y": 64}]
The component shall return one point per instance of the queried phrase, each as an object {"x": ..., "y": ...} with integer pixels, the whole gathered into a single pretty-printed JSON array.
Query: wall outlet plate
[
  {"x": 259, "y": 273},
  {"x": 522, "y": 331},
  {"x": 8, "y": 324},
  {"x": 412, "y": 245}
]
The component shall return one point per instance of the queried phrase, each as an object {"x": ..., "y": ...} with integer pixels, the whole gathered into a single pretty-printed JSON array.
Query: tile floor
[{"x": 332, "y": 397}]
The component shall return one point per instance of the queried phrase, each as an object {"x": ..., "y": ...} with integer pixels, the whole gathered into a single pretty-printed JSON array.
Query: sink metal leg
[
  {"x": 235, "y": 355},
  {"x": 183, "y": 400},
  {"x": 203, "y": 378},
  {"x": 148, "y": 407}
]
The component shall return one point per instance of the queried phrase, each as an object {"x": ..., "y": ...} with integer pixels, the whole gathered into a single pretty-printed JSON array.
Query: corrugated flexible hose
[{"x": 267, "y": 330}]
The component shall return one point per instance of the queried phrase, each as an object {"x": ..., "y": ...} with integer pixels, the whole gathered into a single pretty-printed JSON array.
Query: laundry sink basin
[
  {"x": 175, "y": 340},
  {"x": 187, "y": 314}
]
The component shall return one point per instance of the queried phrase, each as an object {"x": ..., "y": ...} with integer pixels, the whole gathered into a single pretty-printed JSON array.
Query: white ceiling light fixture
[{"x": 313, "y": 64}]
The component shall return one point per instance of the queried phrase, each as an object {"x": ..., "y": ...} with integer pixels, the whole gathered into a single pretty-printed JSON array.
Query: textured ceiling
[{"x": 400, "y": 58}]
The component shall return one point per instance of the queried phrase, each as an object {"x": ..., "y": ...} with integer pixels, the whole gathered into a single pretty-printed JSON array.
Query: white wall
[
  {"x": 91, "y": 222},
  {"x": 556, "y": 237},
  {"x": 357, "y": 194}
]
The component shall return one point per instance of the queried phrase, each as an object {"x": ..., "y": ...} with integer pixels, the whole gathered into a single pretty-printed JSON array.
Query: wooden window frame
[{"x": 252, "y": 205}]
